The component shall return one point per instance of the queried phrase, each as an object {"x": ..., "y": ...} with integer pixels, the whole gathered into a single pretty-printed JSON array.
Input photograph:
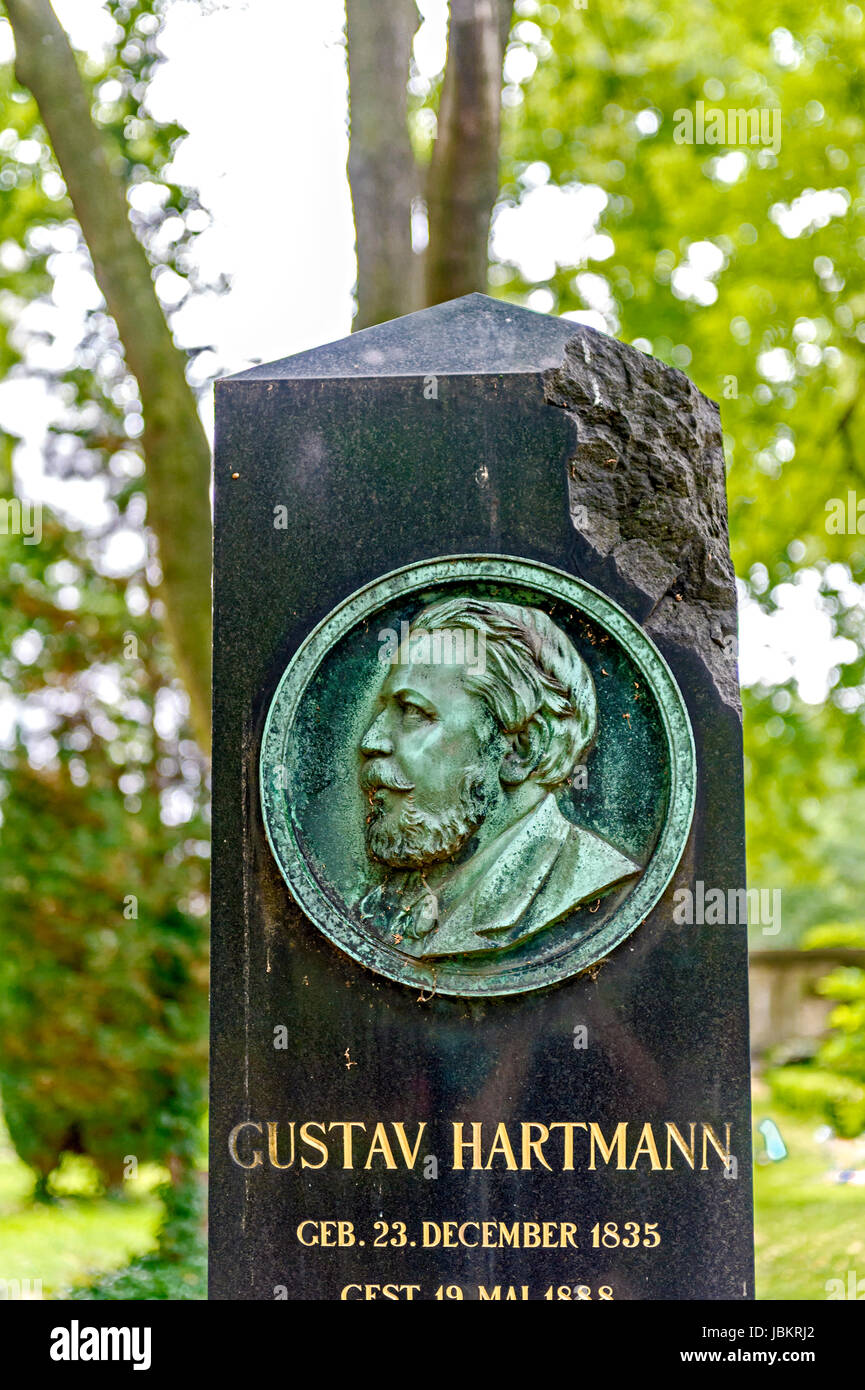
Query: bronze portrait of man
[{"x": 461, "y": 765}]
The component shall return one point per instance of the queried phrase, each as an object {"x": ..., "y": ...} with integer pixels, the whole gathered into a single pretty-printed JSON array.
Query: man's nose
[{"x": 377, "y": 742}]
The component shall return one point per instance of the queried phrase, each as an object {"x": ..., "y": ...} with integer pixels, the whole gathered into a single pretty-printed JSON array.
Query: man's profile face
[{"x": 431, "y": 763}]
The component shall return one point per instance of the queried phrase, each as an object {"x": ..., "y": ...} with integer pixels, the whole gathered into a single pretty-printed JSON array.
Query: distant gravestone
[{"x": 479, "y": 956}]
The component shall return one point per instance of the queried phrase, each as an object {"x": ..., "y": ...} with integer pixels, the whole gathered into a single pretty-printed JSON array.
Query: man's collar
[{"x": 493, "y": 889}]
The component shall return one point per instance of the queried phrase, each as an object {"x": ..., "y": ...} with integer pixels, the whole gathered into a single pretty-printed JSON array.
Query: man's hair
[{"x": 532, "y": 673}]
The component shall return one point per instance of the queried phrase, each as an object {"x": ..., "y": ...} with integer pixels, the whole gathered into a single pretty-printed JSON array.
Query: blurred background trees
[
  {"x": 97, "y": 168},
  {"x": 103, "y": 847},
  {"x": 103, "y": 875},
  {"x": 740, "y": 265},
  {"x": 834, "y": 1084}
]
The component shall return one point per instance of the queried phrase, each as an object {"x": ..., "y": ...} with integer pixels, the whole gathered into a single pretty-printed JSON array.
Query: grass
[
  {"x": 76, "y": 1236},
  {"x": 809, "y": 1229}
]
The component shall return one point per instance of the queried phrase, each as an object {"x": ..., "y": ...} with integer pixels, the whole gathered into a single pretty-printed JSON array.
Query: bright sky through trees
[{"x": 261, "y": 87}]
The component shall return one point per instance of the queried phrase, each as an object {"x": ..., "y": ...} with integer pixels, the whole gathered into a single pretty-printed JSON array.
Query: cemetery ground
[
  {"x": 84, "y": 1242},
  {"x": 809, "y": 1227}
]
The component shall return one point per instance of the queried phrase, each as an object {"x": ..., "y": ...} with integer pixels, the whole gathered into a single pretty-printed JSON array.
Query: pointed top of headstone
[{"x": 474, "y": 334}]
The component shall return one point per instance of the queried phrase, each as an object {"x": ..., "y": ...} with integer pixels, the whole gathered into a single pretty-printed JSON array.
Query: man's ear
[{"x": 526, "y": 748}]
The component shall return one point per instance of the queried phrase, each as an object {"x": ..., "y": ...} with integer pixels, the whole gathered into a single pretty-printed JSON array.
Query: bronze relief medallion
[{"x": 477, "y": 775}]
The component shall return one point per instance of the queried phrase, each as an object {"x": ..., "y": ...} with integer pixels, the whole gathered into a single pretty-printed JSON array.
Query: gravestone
[{"x": 479, "y": 1001}]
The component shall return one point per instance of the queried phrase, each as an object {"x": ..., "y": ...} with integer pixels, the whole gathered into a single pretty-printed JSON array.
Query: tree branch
[
  {"x": 505, "y": 15},
  {"x": 381, "y": 167},
  {"x": 175, "y": 446},
  {"x": 463, "y": 178}
]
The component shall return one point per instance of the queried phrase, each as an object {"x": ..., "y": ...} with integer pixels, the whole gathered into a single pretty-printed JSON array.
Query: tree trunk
[
  {"x": 381, "y": 167},
  {"x": 463, "y": 179},
  {"x": 175, "y": 446}
]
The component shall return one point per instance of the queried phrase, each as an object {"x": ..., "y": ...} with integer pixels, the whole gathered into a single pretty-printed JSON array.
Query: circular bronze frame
[{"x": 336, "y": 922}]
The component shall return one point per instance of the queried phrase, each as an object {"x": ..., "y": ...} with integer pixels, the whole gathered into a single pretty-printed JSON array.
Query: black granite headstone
[{"x": 555, "y": 1105}]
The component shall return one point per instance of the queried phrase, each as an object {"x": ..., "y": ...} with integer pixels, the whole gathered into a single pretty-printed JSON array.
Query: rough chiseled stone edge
[{"x": 648, "y": 468}]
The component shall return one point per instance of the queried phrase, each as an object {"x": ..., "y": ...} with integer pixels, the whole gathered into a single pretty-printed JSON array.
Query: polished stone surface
[{"x": 596, "y": 460}]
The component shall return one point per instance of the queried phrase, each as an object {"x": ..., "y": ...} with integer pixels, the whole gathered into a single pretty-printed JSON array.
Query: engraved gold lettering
[
  {"x": 618, "y": 1141},
  {"x": 307, "y": 1138},
  {"x": 273, "y": 1142},
  {"x": 410, "y": 1155},
  {"x": 232, "y": 1145},
  {"x": 723, "y": 1153},
  {"x": 534, "y": 1146},
  {"x": 568, "y": 1126},
  {"x": 380, "y": 1147},
  {"x": 674, "y": 1134},
  {"x": 647, "y": 1147},
  {"x": 474, "y": 1144},
  {"x": 347, "y": 1126},
  {"x": 501, "y": 1145}
]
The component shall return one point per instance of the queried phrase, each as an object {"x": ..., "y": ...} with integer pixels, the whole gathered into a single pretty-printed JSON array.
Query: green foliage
[
  {"x": 834, "y": 1084},
  {"x": 598, "y": 72},
  {"x": 103, "y": 938},
  {"x": 103, "y": 845},
  {"x": 775, "y": 331},
  {"x": 176, "y": 1269},
  {"x": 151, "y": 1277},
  {"x": 805, "y": 809},
  {"x": 815, "y": 1091}
]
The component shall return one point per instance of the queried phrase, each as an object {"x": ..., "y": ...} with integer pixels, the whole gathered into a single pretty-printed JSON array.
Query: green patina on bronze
[{"x": 477, "y": 775}]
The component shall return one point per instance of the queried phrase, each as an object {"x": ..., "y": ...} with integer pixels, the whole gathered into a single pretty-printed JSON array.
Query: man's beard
[{"x": 408, "y": 838}]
